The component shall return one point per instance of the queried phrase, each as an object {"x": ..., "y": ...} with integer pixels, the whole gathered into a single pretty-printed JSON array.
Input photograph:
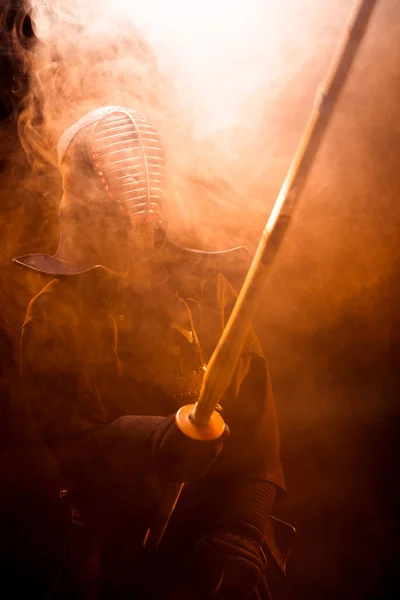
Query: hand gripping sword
[{"x": 201, "y": 421}]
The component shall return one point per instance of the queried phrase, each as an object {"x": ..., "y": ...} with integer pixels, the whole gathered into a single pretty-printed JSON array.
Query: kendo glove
[
  {"x": 157, "y": 443},
  {"x": 229, "y": 563}
]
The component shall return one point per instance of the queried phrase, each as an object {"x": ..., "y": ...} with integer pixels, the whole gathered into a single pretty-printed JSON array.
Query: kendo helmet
[
  {"x": 111, "y": 159},
  {"x": 126, "y": 153}
]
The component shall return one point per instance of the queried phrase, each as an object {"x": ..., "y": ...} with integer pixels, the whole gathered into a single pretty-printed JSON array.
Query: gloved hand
[
  {"x": 181, "y": 458},
  {"x": 229, "y": 561},
  {"x": 157, "y": 443},
  {"x": 228, "y": 565}
]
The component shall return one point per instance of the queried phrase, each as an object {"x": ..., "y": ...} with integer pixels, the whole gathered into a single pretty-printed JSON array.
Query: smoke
[
  {"x": 205, "y": 73},
  {"x": 229, "y": 86}
]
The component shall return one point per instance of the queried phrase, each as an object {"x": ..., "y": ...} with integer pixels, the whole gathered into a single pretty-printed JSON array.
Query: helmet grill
[{"x": 129, "y": 159}]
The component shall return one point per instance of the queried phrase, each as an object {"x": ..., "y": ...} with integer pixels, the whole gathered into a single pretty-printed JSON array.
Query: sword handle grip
[
  {"x": 184, "y": 419},
  {"x": 155, "y": 532}
]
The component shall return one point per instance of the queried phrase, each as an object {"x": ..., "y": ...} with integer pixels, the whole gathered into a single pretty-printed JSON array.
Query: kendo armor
[{"x": 124, "y": 152}]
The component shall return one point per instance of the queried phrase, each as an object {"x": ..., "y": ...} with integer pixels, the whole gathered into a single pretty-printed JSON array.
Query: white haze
[{"x": 227, "y": 64}]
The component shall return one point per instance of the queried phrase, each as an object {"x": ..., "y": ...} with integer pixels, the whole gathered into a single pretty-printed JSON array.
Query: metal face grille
[{"x": 129, "y": 160}]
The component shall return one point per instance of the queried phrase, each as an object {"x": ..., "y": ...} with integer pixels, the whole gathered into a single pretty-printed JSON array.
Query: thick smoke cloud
[
  {"x": 205, "y": 74},
  {"x": 230, "y": 87}
]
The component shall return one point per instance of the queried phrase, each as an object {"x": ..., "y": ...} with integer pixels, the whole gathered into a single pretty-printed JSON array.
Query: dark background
[{"x": 329, "y": 322}]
